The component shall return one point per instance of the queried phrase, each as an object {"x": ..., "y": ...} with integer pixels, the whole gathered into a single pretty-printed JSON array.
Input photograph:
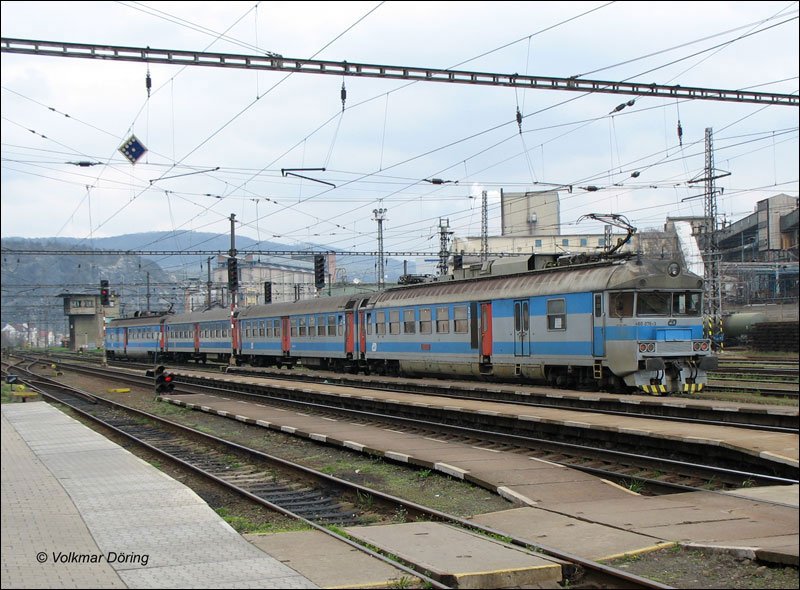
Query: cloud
[{"x": 393, "y": 134}]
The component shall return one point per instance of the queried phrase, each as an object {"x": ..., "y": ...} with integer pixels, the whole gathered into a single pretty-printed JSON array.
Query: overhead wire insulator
[
  {"x": 344, "y": 95},
  {"x": 680, "y": 133},
  {"x": 148, "y": 82},
  {"x": 519, "y": 120}
]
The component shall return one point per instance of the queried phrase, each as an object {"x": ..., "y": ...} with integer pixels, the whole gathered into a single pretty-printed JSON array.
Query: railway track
[
  {"x": 623, "y": 456},
  {"x": 658, "y": 468},
  {"x": 758, "y": 385},
  {"x": 256, "y": 476},
  {"x": 539, "y": 397}
]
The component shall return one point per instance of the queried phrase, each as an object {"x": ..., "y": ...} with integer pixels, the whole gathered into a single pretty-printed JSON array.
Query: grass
[
  {"x": 364, "y": 501},
  {"x": 170, "y": 410},
  {"x": 6, "y": 394},
  {"x": 636, "y": 485},
  {"x": 243, "y": 525}
]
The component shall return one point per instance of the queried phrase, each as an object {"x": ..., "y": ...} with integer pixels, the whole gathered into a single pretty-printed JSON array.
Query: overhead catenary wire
[{"x": 230, "y": 194}]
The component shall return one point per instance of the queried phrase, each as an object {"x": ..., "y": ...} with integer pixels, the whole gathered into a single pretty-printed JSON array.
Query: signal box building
[{"x": 86, "y": 318}]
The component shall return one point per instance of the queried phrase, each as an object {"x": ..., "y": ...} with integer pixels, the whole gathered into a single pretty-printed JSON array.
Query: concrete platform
[
  {"x": 707, "y": 519},
  {"x": 516, "y": 477},
  {"x": 777, "y": 447},
  {"x": 461, "y": 559},
  {"x": 329, "y": 563},
  {"x": 566, "y": 509},
  {"x": 79, "y": 511},
  {"x": 449, "y": 555}
]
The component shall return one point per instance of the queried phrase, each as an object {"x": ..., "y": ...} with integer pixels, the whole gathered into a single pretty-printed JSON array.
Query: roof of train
[
  {"x": 632, "y": 273},
  {"x": 211, "y": 315},
  {"x": 620, "y": 274},
  {"x": 148, "y": 320},
  {"x": 310, "y": 306}
]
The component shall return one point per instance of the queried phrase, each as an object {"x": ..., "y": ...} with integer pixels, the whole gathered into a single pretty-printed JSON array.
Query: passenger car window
[{"x": 556, "y": 314}]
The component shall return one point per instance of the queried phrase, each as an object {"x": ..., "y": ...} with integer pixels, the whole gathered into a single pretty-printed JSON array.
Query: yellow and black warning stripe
[
  {"x": 654, "y": 389},
  {"x": 692, "y": 387}
]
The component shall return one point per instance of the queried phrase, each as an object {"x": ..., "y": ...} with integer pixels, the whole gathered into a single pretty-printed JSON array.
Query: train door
[
  {"x": 162, "y": 337},
  {"x": 125, "y": 340},
  {"x": 286, "y": 328},
  {"x": 362, "y": 332},
  {"x": 196, "y": 331},
  {"x": 522, "y": 320},
  {"x": 599, "y": 326},
  {"x": 349, "y": 334},
  {"x": 235, "y": 346},
  {"x": 486, "y": 331}
]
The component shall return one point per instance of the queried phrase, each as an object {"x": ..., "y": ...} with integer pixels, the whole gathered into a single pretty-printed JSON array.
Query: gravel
[{"x": 682, "y": 567}]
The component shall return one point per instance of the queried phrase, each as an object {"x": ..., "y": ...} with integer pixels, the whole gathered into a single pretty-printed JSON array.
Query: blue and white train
[{"x": 623, "y": 324}]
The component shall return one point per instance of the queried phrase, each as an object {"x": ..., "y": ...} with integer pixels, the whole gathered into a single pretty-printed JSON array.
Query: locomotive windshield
[
  {"x": 655, "y": 303},
  {"x": 689, "y": 303}
]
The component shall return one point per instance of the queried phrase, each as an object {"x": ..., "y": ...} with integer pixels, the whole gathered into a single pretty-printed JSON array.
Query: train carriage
[
  {"x": 135, "y": 338},
  {"x": 617, "y": 324},
  {"x": 200, "y": 335},
  {"x": 318, "y": 332}
]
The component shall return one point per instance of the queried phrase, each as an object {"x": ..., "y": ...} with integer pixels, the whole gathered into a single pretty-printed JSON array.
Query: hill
[{"x": 32, "y": 282}]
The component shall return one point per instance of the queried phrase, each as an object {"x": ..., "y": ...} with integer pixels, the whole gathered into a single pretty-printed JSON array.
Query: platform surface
[{"x": 79, "y": 511}]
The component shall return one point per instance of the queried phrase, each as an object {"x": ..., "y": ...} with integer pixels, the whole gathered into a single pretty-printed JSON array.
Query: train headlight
[
  {"x": 700, "y": 346},
  {"x": 674, "y": 269},
  {"x": 647, "y": 347}
]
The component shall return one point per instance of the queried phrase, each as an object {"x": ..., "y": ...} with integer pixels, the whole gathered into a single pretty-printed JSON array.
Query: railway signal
[
  {"x": 233, "y": 274},
  {"x": 165, "y": 381},
  {"x": 104, "y": 293},
  {"x": 267, "y": 291},
  {"x": 319, "y": 271}
]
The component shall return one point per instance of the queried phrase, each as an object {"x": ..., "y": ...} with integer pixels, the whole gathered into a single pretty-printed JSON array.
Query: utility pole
[
  {"x": 147, "y": 297},
  {"x": 208, "y": 282},
  {"x": 233, "y": 286},
  {"x": 484, "y": 227},
  {"x": 379, "y": 217},
  {"x": 712, "y": 284},
  {"x": 444, "y": 245}
]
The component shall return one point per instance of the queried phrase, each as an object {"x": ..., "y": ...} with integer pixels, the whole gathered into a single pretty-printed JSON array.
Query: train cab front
[{"x": 665, "y": 370}]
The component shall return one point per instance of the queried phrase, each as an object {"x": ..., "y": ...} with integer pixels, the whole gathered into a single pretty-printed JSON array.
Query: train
[{"x": 623, "y": 324}]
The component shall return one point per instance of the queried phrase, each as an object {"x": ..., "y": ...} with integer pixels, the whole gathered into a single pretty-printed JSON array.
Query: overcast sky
[{"x": 392, "y": 134}]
